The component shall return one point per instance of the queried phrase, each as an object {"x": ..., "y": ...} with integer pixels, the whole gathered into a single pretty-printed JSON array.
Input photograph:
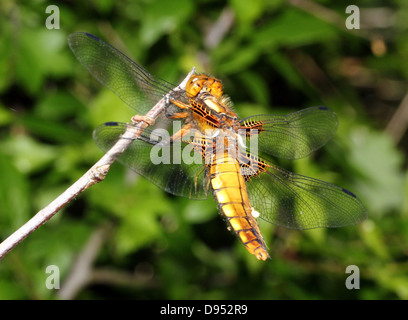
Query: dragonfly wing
[
  {"x": 292, "y": 136},
  {"x": 129, "y": 81},
  {"x": 299, "y": 202},
  {"x": 157, "y": 161}
]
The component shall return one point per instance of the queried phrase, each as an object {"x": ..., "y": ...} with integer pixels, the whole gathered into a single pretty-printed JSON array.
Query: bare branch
[
  {"x": 80, "y": 274},
  {"x": 94, "y": 175},
  {"x": 398, "y": 124},
  {"x": 219, "y": 29}
]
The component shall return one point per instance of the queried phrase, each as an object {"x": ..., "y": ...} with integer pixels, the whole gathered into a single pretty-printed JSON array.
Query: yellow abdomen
[{"x": 232, "y": 196}]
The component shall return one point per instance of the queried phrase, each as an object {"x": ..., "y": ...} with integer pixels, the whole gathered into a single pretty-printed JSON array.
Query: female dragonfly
[{"x": 220, "y": 156}]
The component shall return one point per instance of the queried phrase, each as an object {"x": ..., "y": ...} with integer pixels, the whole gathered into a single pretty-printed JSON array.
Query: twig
[
  {"x": 94, "y": 175},
  {"x": 80, "y": 273},
  {"x": 137, "y": 280},
  {"x": 83, "y": 272},
  {"x": 219, "y": 29},
  {"x": 399, "y": 122}
]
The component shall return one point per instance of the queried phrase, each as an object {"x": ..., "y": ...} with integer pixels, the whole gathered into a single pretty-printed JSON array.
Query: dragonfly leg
[
  {"x": 179, "y": 135},
  {"x": 147, "y": 120},
  {"x": 179, "y": 115},
  {"x": 184, "y": 131},
  {"x": 180, "y": 104}
]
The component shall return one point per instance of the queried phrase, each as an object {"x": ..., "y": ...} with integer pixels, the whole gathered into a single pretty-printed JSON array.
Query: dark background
[{"x": 125, "y": 238}]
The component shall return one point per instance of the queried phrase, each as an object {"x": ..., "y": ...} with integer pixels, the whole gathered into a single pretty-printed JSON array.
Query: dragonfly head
[{"x": 199, "y": 83}]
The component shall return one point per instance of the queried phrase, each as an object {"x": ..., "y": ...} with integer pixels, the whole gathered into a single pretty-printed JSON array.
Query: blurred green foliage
[{"x": 273, "y": 56}]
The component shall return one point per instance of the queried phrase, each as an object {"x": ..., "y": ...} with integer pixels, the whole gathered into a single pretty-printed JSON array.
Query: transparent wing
[
  {"x": 292, "y": 136},
  {"x": 128, "y": 80},
  {"x": 299, "y": 202},
  {"x": 173, "y": 167}
]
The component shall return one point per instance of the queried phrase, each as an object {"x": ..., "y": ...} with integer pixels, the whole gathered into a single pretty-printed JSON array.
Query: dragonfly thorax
[{"x": 199, "y": 83}]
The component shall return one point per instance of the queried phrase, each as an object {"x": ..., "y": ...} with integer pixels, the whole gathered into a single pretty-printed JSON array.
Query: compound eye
[{"x": 195, "y": 85}]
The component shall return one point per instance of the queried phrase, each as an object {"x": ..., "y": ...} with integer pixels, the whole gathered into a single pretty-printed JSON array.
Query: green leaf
[
  {"x": 108, "y": 107},
  {"x": 140, "y": 228},
  {"x": 104, "y": 6},
  {"x": 137, "y": 205},
  {"x": 6, "y": 54},
  {"x": 59, "y": 105},
  {"x": 53, "y": 130},
  {"x": 6, "y": 115},
  {"x": 293, "y": 28},
  {"x": 199, "y": 211},
  {"x": 256, "y": 87},
  {"x": 374, "y": 239},
  {"x": 140, "y": 207},
  {"x": 375, "y": 157},
  {"x": 285, "y": 67},
  {"x": 164, "y": 17},
  {"x": 247, "y": 11},
  {"x": 14, "y": 200},
  {"x": 239, "y": 60},
  {"x": 41, "y": 53},
  {"x": 28, "y": 155}
]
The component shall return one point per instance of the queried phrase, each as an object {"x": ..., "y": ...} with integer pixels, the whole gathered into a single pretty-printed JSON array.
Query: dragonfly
[{"x": 199, "y": 146}]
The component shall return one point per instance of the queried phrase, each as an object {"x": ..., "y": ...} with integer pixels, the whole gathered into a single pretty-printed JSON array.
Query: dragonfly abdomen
[{"x": 231, "y": 194}]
